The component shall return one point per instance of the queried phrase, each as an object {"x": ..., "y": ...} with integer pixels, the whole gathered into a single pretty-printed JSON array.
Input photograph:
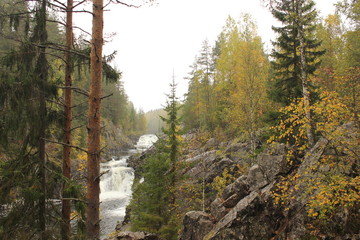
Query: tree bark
[
  {"x": 93, "y": 164},
  {"x": 304, "y": 81},
  {"x": 42, "y": 74},
  {"x": 66, "y": 204}
]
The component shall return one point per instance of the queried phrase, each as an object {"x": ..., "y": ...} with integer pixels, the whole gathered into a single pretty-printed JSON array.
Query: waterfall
[{"x": 115, "y": 186}]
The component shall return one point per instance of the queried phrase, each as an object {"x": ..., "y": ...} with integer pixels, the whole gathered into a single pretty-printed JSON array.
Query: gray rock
[
  {"x": 134, "y": 236},
  {"x": 217, "y": 209},
  {"x": 256, "y": 178},
  {"x": 196, "y": 225},
  {"x": 201, "y": 162},
  {"x": 273, "y": 162},
  {"x": 216, "y": 168},
  {"x": 210, "y": 144},
  {"x": 234, "y": 147},
  {"x": 231, "y": 201},
  {"x": 253, "y": 217},
  {"x": 239, "y": 187}
]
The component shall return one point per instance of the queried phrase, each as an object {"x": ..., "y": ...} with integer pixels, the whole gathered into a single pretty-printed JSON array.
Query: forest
[{"x": 60, "y": 96}]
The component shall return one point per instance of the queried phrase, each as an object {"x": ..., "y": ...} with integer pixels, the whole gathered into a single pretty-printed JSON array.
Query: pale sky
[{"x": 152, "y": 42}]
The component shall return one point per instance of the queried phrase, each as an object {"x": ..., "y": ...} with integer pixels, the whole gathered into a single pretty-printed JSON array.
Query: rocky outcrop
[
  {"x": 135, "y": 161},
  {"x": 245, "y": 209},
  {"x": 253, "y": 217},
  {"x": 196, "y": 225},
  {"x": 134, "y": 236},
  {"x": 207, "y": 165},
  {"x": 116, "y": 141}
]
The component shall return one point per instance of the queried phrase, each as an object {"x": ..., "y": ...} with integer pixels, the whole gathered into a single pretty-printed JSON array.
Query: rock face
[
  {"x": 117, "y": 142},
  {"x": 253, "y": 217},
  {"x": 134, "y": 236},
  {"x": 245, "y": 209},
  {"x": 196, "y": 225}
]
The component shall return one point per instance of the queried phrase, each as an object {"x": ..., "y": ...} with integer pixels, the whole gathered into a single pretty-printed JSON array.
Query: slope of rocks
[{"x": 246, "y": 208}]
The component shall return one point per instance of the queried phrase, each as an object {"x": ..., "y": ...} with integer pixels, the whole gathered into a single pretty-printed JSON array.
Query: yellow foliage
[
  {"x": 327, "y": 186},
  {"x": 227, "y": 177},
  {"x": 82, "y": 162}
]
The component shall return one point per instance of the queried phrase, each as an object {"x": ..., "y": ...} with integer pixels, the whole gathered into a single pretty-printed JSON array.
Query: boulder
[
  {"x": 256, "y": 178},
  {"x": 253, "y": 217},
  {"x": 273, "y": 162},
  {"x": 196, "y": 225},
  {"x": 239, "y": 152},
  {"x": 134, "y": 236},
  {"x": 200, "y": 162},
  {"x": 217, "y": 209},
  {"x": 239, "y": 187}
]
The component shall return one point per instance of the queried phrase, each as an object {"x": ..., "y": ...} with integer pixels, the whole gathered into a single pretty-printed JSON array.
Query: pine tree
[
  {"x": 94, "y": 128},
  {"x": 66, "y": 204}
]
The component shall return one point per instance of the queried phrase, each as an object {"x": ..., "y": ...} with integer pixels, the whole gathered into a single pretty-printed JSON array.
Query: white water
[{"x": 115, "y": 186}]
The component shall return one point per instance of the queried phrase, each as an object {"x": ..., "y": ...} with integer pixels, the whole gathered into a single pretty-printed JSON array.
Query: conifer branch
[
  {"x": 65, "y": 144},
  {"x": 101, "y": 174},
  {"x": 55, "y": 21},
  {"x": 77, "y": 90},
  {"x": 79, "y": 3},
  {"x": 83, "y": 11},
  {"x": 107, "y": 4},
  {"x": 109, "y": 95},
  {"x": 57, "y": 6},
  {"x": 18, "y": 14},
  {"x": 63, "y": 4},
  {"x": 78, "y": 116},
  {"x": 125, "y": 4},
  {"x": 82, "y": 30},
  {"x": 56, "y": 102},
  {"x": 76, "y": 105},
  {"x": 56, "y": 56},
  {"x": 74, "y": 199},
  {"x": 74, "y": 128}
]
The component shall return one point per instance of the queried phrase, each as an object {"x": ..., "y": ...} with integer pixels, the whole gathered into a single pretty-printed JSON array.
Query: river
[{"x": 115, "y": 186}]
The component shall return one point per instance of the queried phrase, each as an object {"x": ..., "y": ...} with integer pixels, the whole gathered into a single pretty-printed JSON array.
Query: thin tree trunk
[
  {"x": 93, "y": 164},
  {"x": 41, "y": 73},
  {"x": 304, "y": 81},
  {"x": 66, "y": 204}
]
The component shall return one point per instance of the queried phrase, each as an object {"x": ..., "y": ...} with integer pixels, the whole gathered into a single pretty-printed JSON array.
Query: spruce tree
[
  {"x": 199, "y": 107},
  {"x": 150, "y": 198},
  {"x": 287, "y": 83},
  {"x": 153, "y": 203},
  {"x": 172, "y": 131},
  {"x": 25, "y": 180}
]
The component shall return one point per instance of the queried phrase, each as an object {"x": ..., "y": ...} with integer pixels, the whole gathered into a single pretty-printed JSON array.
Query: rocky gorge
[{"x": 247, "y": 208}]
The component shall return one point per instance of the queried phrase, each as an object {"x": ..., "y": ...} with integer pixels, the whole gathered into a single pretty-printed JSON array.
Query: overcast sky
[{"x": 152, "y": 42}]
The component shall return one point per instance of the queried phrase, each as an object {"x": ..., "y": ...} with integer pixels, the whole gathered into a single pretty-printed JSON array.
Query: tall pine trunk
[
  {"x": 93, "y": 164},
  {"x": 66, "y": 204}
]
